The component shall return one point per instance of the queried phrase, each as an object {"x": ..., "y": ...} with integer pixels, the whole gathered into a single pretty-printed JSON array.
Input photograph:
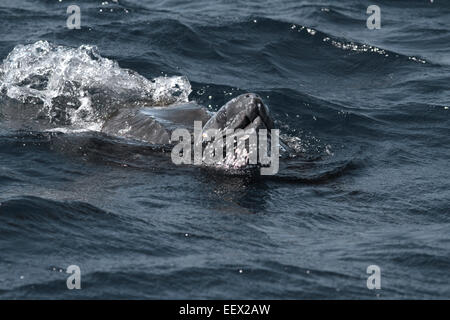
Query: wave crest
[{"x": 78, "y": 86}]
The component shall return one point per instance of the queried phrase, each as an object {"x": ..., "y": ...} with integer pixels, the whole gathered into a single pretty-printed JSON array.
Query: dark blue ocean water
[{"x": 368, "y": 109}]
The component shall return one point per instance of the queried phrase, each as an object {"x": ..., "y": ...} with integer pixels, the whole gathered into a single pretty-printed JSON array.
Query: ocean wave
[
  {"x": 39, "y": 211},
  {"x": 77, "y": 86}
]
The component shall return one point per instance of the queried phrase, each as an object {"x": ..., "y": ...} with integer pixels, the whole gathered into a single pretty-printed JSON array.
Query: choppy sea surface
[{"x": 367, "y": 111}]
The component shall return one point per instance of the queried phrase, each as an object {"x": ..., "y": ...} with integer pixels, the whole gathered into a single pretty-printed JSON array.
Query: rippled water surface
[{"x": 366, "y": 110}]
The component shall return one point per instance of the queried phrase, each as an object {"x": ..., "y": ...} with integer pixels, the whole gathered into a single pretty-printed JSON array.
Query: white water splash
[{"x": 75, "y": 82}]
